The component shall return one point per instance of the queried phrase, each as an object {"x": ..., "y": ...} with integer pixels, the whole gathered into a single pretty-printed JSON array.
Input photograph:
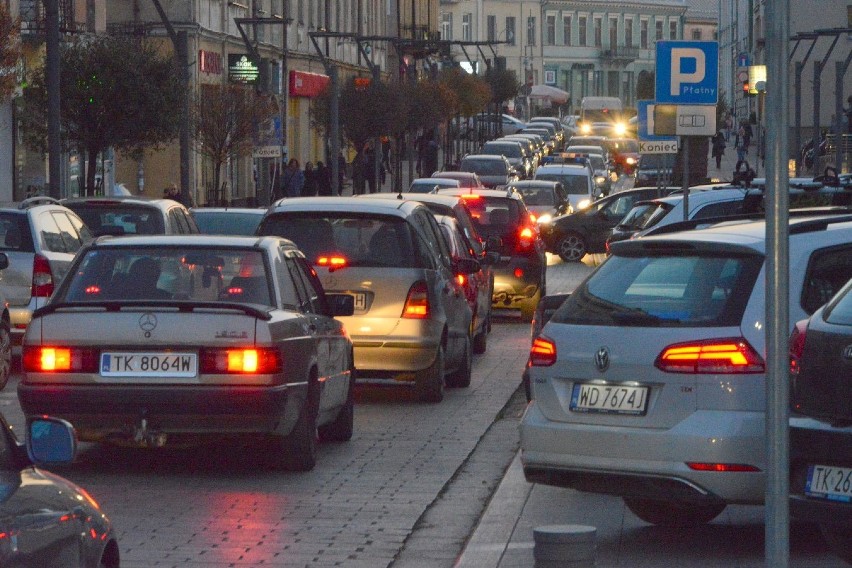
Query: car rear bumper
[
  {"x": 19, "y": 319},
  {"x": 648, "y": 462},
  {"x": 100, "y": 412},
  {"x": 396, "y": 354}
]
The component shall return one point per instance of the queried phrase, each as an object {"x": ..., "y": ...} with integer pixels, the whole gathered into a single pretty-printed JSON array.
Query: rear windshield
[
  {"x": 841, "y": 312},
  {"x": 664, "y": 291},
  {"x": 655, "y": 162},
  {"x": 118, "y": 218},
  {"x": 234, "y": 223},
  {"x": 638, "y": 216},
  {"x": 508, "y": 150},
  {"x": 537, "y": 195},
  {"x": 363, "y": 240},
  {"x": 484, "y": 167},
  {"x": 15, "y": 233},
  {"x": 494, "y": 216},
  {"x": 573, "y": 184}
]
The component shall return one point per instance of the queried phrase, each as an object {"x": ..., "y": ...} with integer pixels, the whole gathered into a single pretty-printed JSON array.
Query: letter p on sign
[{"x": 690, "y": 73}]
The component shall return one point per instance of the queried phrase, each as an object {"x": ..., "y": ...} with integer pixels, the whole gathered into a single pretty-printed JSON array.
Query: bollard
[{"x": 564, "y": 546}]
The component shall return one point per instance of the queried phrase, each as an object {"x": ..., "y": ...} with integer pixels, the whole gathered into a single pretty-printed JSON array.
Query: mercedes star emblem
[{"x": 148, "y": 322}]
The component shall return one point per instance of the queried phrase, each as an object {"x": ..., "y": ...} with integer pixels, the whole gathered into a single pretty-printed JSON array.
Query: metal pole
[
  {"x": 183, "y": 61},
  {"x": 777, "y": 522},
  {"x": 54, "y": 141},
  {"x": 817, "y": 94},
  {"x": 685, "y": 160},
  {"x": 797, "y": 143},
  {"x": 839, "y": 74},
  {"x": 335, "y": 129}
]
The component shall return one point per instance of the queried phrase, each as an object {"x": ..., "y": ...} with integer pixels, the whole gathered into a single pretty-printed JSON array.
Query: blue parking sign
[{"x": 687, "y": 72}]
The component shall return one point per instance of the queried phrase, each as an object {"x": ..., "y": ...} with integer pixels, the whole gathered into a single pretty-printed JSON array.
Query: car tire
[
  {"x": 429, "y": 383},
  {"x": 341, "y": 428},
  {"x": 460, "y": 378},
  {"x": 5, "y": 353},
  {"x": 673, "y": 513},
  {"x": 837, "y": 537},
  {"x": 571, "y": 247},
  {"x": 297, "y": 451},
  {"x": 480, "y": 340}
]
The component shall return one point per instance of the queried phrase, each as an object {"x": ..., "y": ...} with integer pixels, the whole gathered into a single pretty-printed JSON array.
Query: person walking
[
  {"x": 341, "y": 173},
  {"x": 310, "y": 187},
  {"x": 292, "y": 180},
  {"x": 742, "y": 146},
  {"x": 369, "y": 166},
  {"x": 747, "y": 134},
  {"x": 323, "y": 179},
  {"x": 729, "y": 127},
  {"x": 718, "y": 145}
]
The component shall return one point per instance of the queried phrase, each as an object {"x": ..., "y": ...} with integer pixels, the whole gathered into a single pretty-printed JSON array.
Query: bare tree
[{"x": 226, "y": 118}]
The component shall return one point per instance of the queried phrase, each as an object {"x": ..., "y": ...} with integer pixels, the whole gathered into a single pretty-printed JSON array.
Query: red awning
[{"x": 304, "y": 84}]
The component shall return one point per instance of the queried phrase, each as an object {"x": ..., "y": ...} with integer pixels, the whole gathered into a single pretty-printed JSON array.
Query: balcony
[
  {"x": 33, "y": 18},
  {"x": 620, "y": 54}
]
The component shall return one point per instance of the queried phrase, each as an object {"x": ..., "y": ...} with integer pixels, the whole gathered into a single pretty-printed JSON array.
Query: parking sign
[{"x": 687, "y": 72}]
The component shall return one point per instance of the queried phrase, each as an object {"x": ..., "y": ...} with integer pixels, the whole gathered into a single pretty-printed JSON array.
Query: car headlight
[
  {"x": 545, "y": 218},
  {"x": 586, "y": 128},
  {"x": 584, "y": 203},
  {"x": 600, "y": 180},
  {"x": 630, "y": 161}
]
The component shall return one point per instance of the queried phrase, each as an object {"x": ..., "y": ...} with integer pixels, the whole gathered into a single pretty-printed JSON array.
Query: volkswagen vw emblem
[
  {"x": 602, "y": 359},
  {"x": 148, "y": 322}
]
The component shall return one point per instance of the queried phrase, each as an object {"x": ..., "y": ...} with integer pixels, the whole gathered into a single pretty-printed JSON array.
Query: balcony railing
[
  {"x": 33, "y": 18},
  {"x": 620, "y": 53}
]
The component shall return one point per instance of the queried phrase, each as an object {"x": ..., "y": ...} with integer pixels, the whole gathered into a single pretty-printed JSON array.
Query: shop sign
[
  {"x": 209, "y": 62},
  {"x": 304, "y": 84},
  {"x": 242, "y": 69}
]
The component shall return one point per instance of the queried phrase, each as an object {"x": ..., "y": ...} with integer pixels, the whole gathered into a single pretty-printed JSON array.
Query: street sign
[
  {"x": 687, "y": 72},
  {"x": 266, "y": 152},
  {"x": 645, "y": 123},
  {"x": 685, "y": 120},
  {"x": 743, "y": 59},
  {"x": 658, "y": 147}
]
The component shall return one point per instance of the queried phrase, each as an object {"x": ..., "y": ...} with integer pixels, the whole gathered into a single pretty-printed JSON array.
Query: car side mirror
[
  {"x": 493, "y": 243},
  {"x": 342, "y": 305},
  {"x": 489, "y": 258},
  {"x": 466, "y": 266},
  {"x": 50, "y": 441},
  {"x": 4, "y": 261}
]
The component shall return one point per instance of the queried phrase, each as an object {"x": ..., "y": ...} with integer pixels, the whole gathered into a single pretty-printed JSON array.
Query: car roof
[
  {"x": 135, "y": 199},
  {"x": 482, "y": 192},
  {"x": 390, "y": 206},
  {"x": 483, "y": 157},
  {"x": 534, "y": 183},
  {"x": 189, "y": 240},
  {"x": 428, "y": 180},
  {"x": 203, "y": 210},
  {"x": 571, "y": 169}
]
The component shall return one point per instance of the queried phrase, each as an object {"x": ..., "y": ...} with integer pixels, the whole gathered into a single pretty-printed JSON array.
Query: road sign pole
[{"x": 685, "y": 161}]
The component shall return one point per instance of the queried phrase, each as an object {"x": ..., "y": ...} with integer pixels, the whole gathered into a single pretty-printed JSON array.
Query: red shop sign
[
  {"x": 303, "y": 84},
  {"x": 210, "y": 62}
]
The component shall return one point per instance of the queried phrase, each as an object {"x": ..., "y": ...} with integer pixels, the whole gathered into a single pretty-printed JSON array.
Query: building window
[
  {"x": 673, "y": 30},
  {"x": 550, "y": 37},
  {"x": 492, "y": 28},
  {"x": 613, "y": 33},
  {"x": 447, "y": 26},
  {"x": 628, "y": 33},
  {"x": 659, "y": 29},
  {"x": 467, "y": 33},
  {"x": 598, "y": 32},
  {"x": 584, "y": 41},
  {"x": 696, "y": 34},
  {"x": 531, "y": 30},
  {"x": 566, "y": 30},
  {"x": 643, "y": 34},
  {"x": 510, "y": 30}
]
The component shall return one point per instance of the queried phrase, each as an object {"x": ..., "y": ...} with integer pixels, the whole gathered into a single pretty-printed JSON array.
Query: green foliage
[
  {"x": 473, "y": 93},
  {"x": 10, "y": 52}
]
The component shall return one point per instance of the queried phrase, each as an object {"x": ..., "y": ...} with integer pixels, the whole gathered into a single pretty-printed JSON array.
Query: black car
[
  {"x": 654, "y": 169},
  {"x": 586, "y": 231},
  {"x": 821, "y": 416}
]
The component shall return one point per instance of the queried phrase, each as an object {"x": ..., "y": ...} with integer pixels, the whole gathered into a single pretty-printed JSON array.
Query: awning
[{"x": 553, "y": 94}]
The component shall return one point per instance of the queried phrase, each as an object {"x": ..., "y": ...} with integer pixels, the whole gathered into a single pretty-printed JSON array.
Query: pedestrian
[
  {"x": 310, "y": 187},
  {"x": 292, "y": 180},
  {"x": 323, "y": 179},
  {"x": 341, "y": 173},
  {"x": 430, "y": 156},
  {"x": 742, "y": 147},
  {"x": 369, "y": 166},
  {"x": 386, "y": 152},
  {"x": 718, "y": 145},
  {"x": 747, "y": 134},
  {"x": 729, "y": 127}
]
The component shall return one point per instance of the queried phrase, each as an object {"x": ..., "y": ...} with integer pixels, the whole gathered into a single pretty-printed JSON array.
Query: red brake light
[
  {"x": 461, "y": 279},
  {"x": 733, "y": 467},
  {"x": 730, "y": 355},
  {"x": 797, "y": 345},
  {"x": 417, "y": 302},
  {"x": 542, "y": 352},
  {"x": 243, "y": 361},
  {"x": 471, "y": 196},
  {"x": 45, "y": 359},
  {"x": 331, "y": 261},
  {"x": 42, "y": 285}
]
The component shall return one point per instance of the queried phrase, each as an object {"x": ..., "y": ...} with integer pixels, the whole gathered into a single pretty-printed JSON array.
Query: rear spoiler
[{"x": 115, "y": 306}]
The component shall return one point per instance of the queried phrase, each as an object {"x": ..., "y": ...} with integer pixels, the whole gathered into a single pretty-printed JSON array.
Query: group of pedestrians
[
  {"x": 313, "y": 180},
  {"x": 742, "y": 141}
]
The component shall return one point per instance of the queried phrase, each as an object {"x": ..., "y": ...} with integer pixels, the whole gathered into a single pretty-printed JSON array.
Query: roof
[
  {"x": 188, "y": 240},
  {"x": 429, "y": 180},
  {"x": 534, "y": 183},
  {"x": 250, "y": 210},
  {"x": 390, "y": 206}
]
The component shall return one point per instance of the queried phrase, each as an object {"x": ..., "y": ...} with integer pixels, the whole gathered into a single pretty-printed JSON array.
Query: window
[
  {"x": 643, "y": 34},
  {"x": 447, "y": 26},
  {"x": 467, "y": 20},
  {"x": 828, "y": 270},
  {"x": 659, "y": 29},
  {"x": 566, "y": 30},
  {"x": 510, "y": 30},
  {"x": 492, "y": 28},
  {"x": 582, "y": 30},
  {"x": 628, "y": 33},
  {"x": 598, "y": 32},
  {"x": 531, "y": 30},
  {"x": 696, "y": 34},
  {"x": 673, "y": 30},
  {"x": 550, "y": 37}
]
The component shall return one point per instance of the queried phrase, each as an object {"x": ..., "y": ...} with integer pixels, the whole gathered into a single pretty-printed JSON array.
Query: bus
[{"x": 602, "y": 116}]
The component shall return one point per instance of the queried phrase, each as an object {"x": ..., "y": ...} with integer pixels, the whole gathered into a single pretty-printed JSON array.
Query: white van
[{"x": 603, "y": 111}]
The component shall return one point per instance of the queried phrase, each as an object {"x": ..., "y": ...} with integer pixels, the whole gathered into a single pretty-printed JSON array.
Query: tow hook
[{"x": 148, "y": 438}]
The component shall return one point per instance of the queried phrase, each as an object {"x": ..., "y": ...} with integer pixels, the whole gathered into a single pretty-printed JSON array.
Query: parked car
[
  {"x": 39, "y": 237},
  {"x": 586, "y": 231},
  {"x": 429, "y": 185},
  {"x": 546, "y": 200},
  {"x": 469, "y": 180},
  {"x": 227, "y": 220},
  {"x": 46, "y": 521},
  {"x": 820, "y": 432},
  {"x": 649, "y": 381},
  {"x": 520, "y": 274},
  {"x": 411, "y": 324},
  {"x": 577, "y": 179},
  {"x": 493, "y": 171},
  {"x": 191, "y": 338},
  {"x": 132, "y": 215}
]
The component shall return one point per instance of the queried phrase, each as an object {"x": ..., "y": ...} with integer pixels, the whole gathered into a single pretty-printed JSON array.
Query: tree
[
  {"x": 10, "y": 52},
  {"x": 226, "y": 118},
  {"x": 117, "y": 92},
  {"x": 503, "y": 83},
  {"x": 473, "y": 93}
]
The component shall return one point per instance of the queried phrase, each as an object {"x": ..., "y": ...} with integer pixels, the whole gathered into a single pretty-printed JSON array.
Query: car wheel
[
  {"x": 673, "y": 513},
  {"x": 5, "y": 354},
  {"x": 480, "y": 340},
  {"x": 571, "y": 248},
  {"x": 430, "y": 381},
  {"x": 342, "y": 427},
  {"x": 460, "y": 378},
  {"x": 837, "y": 537},
  {"x": 298, "y": 450}
]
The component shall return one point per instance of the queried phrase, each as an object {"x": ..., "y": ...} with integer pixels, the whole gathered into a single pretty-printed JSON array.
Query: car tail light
[
  {"x": 471, "y": 197},
  {"x": 729, "y": 355},
  {"x": 241, "y": 361},
  {"x": 48, "y": 359},
  {"x": 42, "y": 286},
  {"x": 417, "y": 302},
  {"x": 729, "y": 467},
  {"x": 330, "y": 261},
  {"x": 542, "y": 352},
  {"x": 797, "y": 345},
  {"x": 526, "y": 237},
  {"x": 461, "y": 279}
]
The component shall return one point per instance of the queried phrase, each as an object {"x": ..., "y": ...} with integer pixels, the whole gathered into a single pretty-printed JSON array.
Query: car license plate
[
  {"x": 829, "y": 482},
  {"x": 609, "y": 398},
  {"x": 136, "y": 364}
]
